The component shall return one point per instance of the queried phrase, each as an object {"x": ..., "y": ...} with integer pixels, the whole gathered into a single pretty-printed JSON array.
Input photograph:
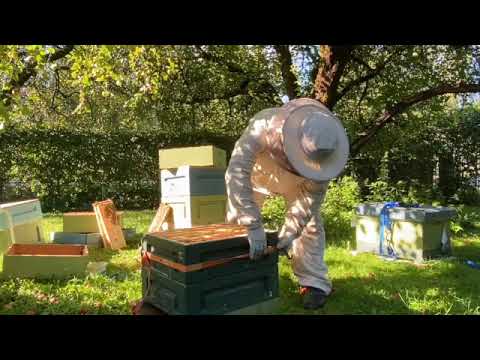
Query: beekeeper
[{"x": 292, "y": 151}]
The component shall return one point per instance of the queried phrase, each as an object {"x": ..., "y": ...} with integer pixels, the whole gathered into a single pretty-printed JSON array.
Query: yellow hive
[{"x": 208, "y": 155}]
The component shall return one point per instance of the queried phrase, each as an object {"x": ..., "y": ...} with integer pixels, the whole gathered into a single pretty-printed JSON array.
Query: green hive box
[
  {"x": 188, "y": 248},
  {"x": 417, "y": 233},
  {"x": 45, "y": 261},
  {"x": 238, "y": 286}
]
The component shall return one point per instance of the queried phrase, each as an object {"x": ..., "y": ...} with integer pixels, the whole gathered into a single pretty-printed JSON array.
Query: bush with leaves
[
  {"x": 464, "y": 220},
  {"x": 337, "y": 210},
  {"x": 273, "y": 212},
  {"x": 339, "y": 207},
  {"x": 68, "y": 170}
]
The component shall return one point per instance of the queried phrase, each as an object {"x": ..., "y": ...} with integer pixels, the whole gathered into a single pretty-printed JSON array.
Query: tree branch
[
  {"x": 373, "y": 72},
  {"x": 335, "y": 59},
  {"x": 361, "y": 62},
  {"x": 242, "y": 88},
  {"x": 289, "y": 78},
  {"x": 232, "y": 67},
  {"x": 29, "y": 71},
  {"x": 398, "y": 108}
]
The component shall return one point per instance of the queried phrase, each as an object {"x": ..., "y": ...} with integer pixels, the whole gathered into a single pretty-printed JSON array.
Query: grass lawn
[{"x": 364, "y": 284}]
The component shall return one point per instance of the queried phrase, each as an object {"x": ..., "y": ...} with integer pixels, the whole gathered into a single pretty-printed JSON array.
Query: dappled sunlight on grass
[{"x": 363, "y": 284}]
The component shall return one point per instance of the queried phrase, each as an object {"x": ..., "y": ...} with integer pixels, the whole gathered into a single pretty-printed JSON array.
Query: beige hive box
[
  {"x": 189, "y": 211},
  {"x": 83, "y": 222},
  {"x": 208, "y": 156},
  {"x": 20, "y": 223}
]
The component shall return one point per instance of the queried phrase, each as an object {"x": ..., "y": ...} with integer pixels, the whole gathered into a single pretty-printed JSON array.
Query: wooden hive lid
[{"x": 202, "y": 234}]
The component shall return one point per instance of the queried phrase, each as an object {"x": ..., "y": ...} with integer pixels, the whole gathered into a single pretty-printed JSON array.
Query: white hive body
[
  {"x": 196, "y": 194},
  {"x": 192, "y": 181}
]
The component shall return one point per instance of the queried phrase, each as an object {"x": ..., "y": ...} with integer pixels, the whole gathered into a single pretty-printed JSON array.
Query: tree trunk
[
  {"x": 289, "y": 78},
  {"x": 335, "y": 58},
  {"x": 447, "y": 183}
]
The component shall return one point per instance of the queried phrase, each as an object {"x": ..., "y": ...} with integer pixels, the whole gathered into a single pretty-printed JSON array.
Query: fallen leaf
[
  {"x": 53, "y": 300},
  {"x": 8, "y": 306},
  {"x": 41, "y": 297}
]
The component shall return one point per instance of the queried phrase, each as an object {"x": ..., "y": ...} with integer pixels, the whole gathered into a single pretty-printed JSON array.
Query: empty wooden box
[
  {"x": 45, "y": 260},
  {"x": 206, "y": 270}
]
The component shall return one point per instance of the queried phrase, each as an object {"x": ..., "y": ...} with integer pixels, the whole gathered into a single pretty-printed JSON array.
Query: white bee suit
[{"x": 259, "y": 167}]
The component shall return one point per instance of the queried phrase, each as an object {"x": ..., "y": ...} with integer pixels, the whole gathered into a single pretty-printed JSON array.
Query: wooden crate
[
  {"x": 195, "y": 156},
  {"x": 45, "y": 261},
  {"x": 189, "y": 211},
  {"x": 83, "y": 222},
  {"x": 192, "y": 181}
]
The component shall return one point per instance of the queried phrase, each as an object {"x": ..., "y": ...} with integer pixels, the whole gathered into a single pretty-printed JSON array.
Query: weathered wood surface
[
  {"x": 109, "y": 225},
  {"x": 164, "y": 215},
  {"x": 201, "y": 234}
]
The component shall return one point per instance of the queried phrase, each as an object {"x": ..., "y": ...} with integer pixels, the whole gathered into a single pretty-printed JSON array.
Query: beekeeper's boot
[{"x": 313, "y": 298}]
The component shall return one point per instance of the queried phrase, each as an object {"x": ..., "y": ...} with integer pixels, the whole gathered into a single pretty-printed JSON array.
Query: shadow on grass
[
  {"x": 58, "y": 305},
  {"x": 371, "y": 286},
  {"x": 350, "y": 296}
]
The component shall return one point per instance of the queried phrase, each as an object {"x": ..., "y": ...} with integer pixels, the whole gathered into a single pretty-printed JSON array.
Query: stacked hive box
[
  {"x": 20, "y": 223},
  {"x": 192, "y": 183},
  {"x": 82, "y": 228},
  {"x": 206, "y": 270},
  {"x": 417, "y": 233}
]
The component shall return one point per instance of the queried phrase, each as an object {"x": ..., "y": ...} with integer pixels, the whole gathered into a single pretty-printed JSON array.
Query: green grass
[{"x": 364, "y": 284}]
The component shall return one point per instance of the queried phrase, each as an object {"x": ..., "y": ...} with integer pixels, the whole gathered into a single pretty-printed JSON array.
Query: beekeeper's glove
[{"x": 258, "y": 242}]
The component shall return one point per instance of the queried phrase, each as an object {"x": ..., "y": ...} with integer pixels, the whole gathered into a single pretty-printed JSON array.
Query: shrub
[
  {"x": 70, "y": 169},
  {"x": 273, "y": 212},
  {"x": 415, "y": 193},
  {"x": 337, "y": 210},
  {"x": 468, "y": 195},
  {"x": 464, "y": 220}
]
